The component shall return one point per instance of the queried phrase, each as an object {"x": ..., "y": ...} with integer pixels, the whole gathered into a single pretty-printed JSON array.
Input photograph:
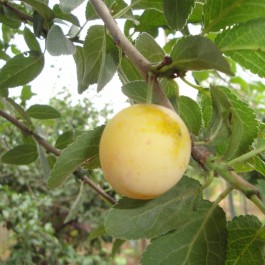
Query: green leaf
[
  {"x": 8, "y": 17},
  {"x": 65, "y": 16},
  {"x": 244, "y": 242},
  {"x": 171, "y": 89},
  {"x": 205, "y": 102},
  {"x": 21, "y": 69},
  {"x": 197, "y": 13},
  {"x": 109, "y": 62},
  {"x": 85, "y": 147},
  {"x": 80, "y": 68},
  {"x": 245, "y": 44},
  {"x": 26, "y": 93},
  {"x": 100, "y": 57},
  {"x": 177, "y": 12},
  {"x": 64, "y": 139},
  {"x": 91, "y": 14},
  {"x": 116, "y": 246},
  {"x": 148, "y": 4},
  {"x": 234, "y": 126},
  {"x": 43, "y": 162},
  {"x": 218, "y": 15},
  {"x": 190, "y": 113},
  {"x": 98, "y": 232},
  {"x": 135, "y": 219},
  {"x": 41, "y": 8},
  {"x": 31, "y": 40},
  {"x": 42, "y": 112},
  {"x": 197, "y": 53},
  {"x": 68, "y": 5},
  {"x": 21, "y": 155},
  {"x": 136, "y": 90},
  {"x": 150, "y": 21},
  {"x": 149, "y": 48},
  {"x": 76, "y": 205},
  {"x": 255, "y": 163},
  {"x": 57, "y": 43},
  {"x": 200, "y": 240},
  {"x": 127, "y": 71}
]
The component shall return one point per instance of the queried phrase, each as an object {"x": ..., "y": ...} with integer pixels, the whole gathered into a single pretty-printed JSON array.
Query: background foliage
[{"x": 54, "y": 201}]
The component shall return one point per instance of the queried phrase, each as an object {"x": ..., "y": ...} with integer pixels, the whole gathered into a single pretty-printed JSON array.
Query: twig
[
  {"x": 100, "y": 191},
  {"x": 49, "y": 148},
  {"x": 22, "y": 16}
]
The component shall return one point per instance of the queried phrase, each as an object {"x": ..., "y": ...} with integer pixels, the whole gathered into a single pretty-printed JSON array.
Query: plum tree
[{"x": 144, "y": 150}]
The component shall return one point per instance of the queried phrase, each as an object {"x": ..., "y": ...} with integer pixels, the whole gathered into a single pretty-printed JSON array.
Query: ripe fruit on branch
[{"x": 144, "y": 151}]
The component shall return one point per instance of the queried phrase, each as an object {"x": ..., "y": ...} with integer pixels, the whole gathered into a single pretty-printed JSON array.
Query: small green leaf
[
  {"x": 8, "y": 17},
  {"x": 41, "y": 8},
  {"x": 197, "y": 53},
  {"x": 149, "y": 48},
  {"x": 150, "y": 21},
  {"x": 57, "y": 43},
  {"x": 255, "y": 163},
  {"x": 109, "y": 61},
  {"x": 65, "y": 16},
  {"x": 218, "y": 15},
  {"x": 26, "y": 93},
  {"x": 64, "y": 140},
  {"x": 200, "y": 240},
  {"x": 244, "y": 242},
  {"x": 80, "y": 68},
  {"x": 43, "y": 162},
  {"x": 127, "y": 71},
  {"x": 117, "y": 246},
  {"x": 245, "y": 44},
  {"x": 135, "y": 219},
  {"x": 21, "y": 155},
  {"x": 42, "y": 112},
  {"x": 76, "y": 205},
  {"x": 234, "y": 126},
  {"x": 31, "y": 40},
  {"x": 21, "y": 69},
  {"x": 148, "y": 4},
  {"x": 68, "y": 5},
  {"x": 177, "y": 12},
  {"x": 85, "y": 147},
  {"x": 98, "y": 232},
  {"x": 100, "y": 57},
  {"x": 191, "y": 114},
  {"x": 136, "y": 90},
  {"x": 91, "y": 14},
  {"x": 205, "y": 102}
]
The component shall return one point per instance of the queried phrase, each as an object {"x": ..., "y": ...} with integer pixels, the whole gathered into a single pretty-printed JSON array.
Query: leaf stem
[
  {"x": 209, "y": 180},
  {"x": 246, "y": 156},
  {"x": 190, "y": 84},
  {"x": 256, "y": 200}
]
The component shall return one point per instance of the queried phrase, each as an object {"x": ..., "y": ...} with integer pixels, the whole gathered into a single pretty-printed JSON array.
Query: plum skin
[{"x": 144, "y": 151}]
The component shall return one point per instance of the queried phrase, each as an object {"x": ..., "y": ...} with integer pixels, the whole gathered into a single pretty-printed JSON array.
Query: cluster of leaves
[{"x": 183, "y": 227}]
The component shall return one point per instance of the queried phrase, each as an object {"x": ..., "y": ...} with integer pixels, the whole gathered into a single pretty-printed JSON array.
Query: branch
[
  {"x": 50, "y": 149},
  {"x": 22, "y": 16}
]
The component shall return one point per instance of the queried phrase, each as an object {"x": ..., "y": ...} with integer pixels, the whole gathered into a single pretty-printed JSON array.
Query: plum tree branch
[
  {"x": 199, "y": 153},
  {"x": 50, "y": 149}
]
